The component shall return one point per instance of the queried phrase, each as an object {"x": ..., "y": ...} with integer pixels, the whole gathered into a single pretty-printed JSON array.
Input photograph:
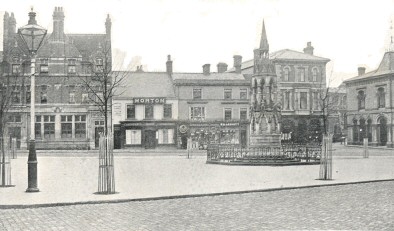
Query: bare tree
[
  {"x": 103, "y": 84},
  {"x": 11, "y": 86},
  {"x": 327, "y": 101}
]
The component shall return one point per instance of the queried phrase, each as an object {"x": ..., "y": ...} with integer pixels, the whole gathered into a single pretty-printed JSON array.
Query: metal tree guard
[
  {"x": 326, "y": 159},
  {"x": 366, "y": 151},
  {"x": 106, "y": 178},
  {"x": 13, "y": 148},
  {"x": 5, "y": 164}
]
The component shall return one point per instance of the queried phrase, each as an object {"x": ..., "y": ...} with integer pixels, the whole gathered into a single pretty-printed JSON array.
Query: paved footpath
[{"x": 365, "y": 206}]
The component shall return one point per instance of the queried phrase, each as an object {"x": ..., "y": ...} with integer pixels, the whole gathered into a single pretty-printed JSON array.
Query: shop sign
[
  {"x": 199, "y": 125},
  {"x": 229, "y": 124},
  {"x": 155, "y": 100},
  {"x": 183, "y": 128}
]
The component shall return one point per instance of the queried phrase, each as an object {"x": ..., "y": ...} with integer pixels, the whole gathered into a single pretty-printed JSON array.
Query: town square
[{"x": 198, "y": 115}]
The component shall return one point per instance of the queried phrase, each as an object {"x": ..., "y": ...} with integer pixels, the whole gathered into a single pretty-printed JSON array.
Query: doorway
[
  {"x": 150, "y": 139},
  {"x": 382, "y": 131},
  {"x": 243, "y": 138},
  {"x": 97, "y": 131},
  {"x": 15, "y": 132}
]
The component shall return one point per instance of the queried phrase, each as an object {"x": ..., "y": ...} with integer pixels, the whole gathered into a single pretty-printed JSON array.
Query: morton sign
[{"x": 154, "y": 100}]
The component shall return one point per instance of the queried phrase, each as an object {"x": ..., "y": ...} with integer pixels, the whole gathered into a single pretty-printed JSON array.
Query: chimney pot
[
  {"x": 309, "y": 48},
  {"x": 222, "y": 67},
  {"x": 361, "y": 70},
  {"x": 206, "y": 69}
]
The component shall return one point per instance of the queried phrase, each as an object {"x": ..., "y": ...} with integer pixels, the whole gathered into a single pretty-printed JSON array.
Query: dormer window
[
  {"x": 99, "y": 64},
  {"x": 71, "y": 66},
  {"x": 43, "y": 65}
]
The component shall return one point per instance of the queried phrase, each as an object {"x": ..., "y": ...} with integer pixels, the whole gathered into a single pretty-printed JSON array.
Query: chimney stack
[
  {"x": 237, "y": 63},
  {"x": 309, "y": 48},
  {"x": 108, "y": 25},
  {"x": 206, "y": 69},
  {"x": 361, "y": 70},
  {"x": 12, "y": 22},
  {"x": 58, "y": 24},
  {"x": 169, "y": 65},
  {"x": 222, "y": 67}
]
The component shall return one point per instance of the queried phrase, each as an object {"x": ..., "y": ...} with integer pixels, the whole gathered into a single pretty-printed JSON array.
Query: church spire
[{"x": 264, "y": 41}]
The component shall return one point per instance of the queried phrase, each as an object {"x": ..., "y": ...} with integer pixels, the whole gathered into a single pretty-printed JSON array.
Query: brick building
[
  {"x": 213, "y": 107},
  {"x": 145, "y": 114},
  {"x": 163, "y": 109},
  {"x": 301, "y": 76},
  {"x": 370, "y": 104},
  {"x": 65, "y": 117}
]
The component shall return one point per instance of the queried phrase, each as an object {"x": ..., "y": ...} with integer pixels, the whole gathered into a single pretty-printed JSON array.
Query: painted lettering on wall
[{"x": 149, "y": 100}]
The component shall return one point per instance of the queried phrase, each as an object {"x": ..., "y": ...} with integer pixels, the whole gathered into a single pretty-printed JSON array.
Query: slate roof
[
  {"x": 386, "y": 66},
  {"x": 146, "y": 84},
  {"x": 50, "y": 48},
  {"x": 213, "y": 77},
  {"x": 285, "y": 54},
  {"x": 87, "y": 44}
]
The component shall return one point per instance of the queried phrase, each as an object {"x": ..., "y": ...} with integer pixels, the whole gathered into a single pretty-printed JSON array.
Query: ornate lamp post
[{"x": 32, "y": 35}]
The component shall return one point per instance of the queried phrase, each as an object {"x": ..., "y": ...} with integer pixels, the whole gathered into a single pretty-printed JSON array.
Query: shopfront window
[
  {"x": 133, "y": 136},
  {"x": 166, "y": 136},
  {"x": 229, "y": 136}
]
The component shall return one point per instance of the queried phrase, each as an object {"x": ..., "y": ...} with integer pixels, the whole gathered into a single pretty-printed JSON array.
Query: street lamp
[{"x": 32, "y": 35}]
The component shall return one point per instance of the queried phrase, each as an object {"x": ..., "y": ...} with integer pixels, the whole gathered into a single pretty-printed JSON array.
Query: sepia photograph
[{"x": 196, "y": 115}]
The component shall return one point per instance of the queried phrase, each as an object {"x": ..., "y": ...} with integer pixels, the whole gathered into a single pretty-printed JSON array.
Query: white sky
[{"x": 350, "y": 33}]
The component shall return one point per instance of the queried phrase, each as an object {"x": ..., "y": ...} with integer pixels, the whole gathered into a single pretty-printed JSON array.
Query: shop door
[
  {"x": 15, "y": 132},
  {"x": 97, "y": 131},
  {"x": 243, "y": 138},
  {"x": 150, "y": 139}
]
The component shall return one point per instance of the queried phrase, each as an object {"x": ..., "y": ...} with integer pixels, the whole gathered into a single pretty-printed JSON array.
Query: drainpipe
[{"x": 391, "y": 111}]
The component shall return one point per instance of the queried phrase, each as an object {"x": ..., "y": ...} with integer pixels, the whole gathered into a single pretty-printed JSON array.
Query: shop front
[
  {"x": 203, "y": 134},
  {"x": 147, "y": 135}
]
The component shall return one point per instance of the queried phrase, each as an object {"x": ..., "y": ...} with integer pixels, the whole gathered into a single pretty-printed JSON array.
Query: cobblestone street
[{"x": 367, "y": 206}]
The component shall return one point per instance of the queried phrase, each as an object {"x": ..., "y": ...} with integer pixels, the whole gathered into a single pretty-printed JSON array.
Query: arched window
[
  {"x": 363, "y": 130},
  {"x": 314, "y": 74},
  {"x": 369, "y": 130},
  {"x": 382, "y": 131},
  {"x": 381, "y": 97},
  {"x": 361, "y": 100},
  {"x": 286, "y": 74},
  {"x": 355, "y": 131}
]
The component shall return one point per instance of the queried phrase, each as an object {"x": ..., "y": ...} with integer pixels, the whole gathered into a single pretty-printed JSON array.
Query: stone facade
[
  {"x": 370, "y": 104},
  {"x": 301, "y": 78},
  {"x": 66, "y": 118}
]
